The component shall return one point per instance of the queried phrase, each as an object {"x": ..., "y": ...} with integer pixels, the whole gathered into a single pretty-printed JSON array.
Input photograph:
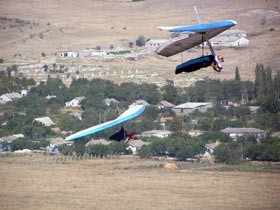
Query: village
[
  {"x": 113, "y": 63},
  {"x": 189, "y": 113}
]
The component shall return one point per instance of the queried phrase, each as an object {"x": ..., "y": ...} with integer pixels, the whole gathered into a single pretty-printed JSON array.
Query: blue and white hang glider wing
[
  {"x": 129, "y": 114},
  {"x": 201, "y": 33}
]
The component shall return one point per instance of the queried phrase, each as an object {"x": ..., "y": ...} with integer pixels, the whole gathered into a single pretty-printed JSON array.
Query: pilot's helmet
[{"x": 220, "y": 58}]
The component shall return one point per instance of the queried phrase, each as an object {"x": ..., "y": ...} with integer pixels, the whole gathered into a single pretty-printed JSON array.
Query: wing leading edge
[
  {"x": 127, "y": 115},
  {"x": 178, "y": 45}
]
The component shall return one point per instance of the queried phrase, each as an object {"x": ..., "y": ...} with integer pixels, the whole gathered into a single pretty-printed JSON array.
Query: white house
[
  {"x": 58, "y": 141},
  {"x": 99, "y": 141},
  {"x": 234, "y": 133},
  {"x": 194, "y": 133},
  {"x": 189, "y": 107},
  {"x": 76, "y": 102},
  {"x": 109, "y": 101},
  {"x": 24, "y": 92},
  {"x": 50, "y": 97},
  {"x": 210, "y": 147},
  {"x": 156, "y": 133},
  {"x": 7, "y": 97},
  {"x": 76, "y": 115},
  {"x": 155, "y": 43},
  {"x": 139, "y": 102},
  {"x": 230, "y": 41},
  {"x": 11, "y": 138},
  {"x": 276, "y": 134},
  {"x": 46, "y": 121},
  {"x": 135, "y": 145}
]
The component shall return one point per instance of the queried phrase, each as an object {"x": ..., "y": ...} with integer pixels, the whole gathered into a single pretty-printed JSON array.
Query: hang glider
[
  {"x": 201, "y": 34},
  {"x": 129, "y": 114},
  {"x": 198, "y": 34}
]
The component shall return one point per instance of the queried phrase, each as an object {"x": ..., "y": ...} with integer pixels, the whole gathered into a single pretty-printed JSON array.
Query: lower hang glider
[
  {"x": 198, "y": 35},
  {"x": 129, "y": 114}
]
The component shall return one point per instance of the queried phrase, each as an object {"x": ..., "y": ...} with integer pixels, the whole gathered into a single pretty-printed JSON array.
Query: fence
[{"x": 55, "y": 158}]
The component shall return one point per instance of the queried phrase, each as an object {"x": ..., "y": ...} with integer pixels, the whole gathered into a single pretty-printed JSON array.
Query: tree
[
  {"x": 99, "y": 150},
  {"x": 79, "y": 148},
  {"x": 140, "y": 41},
  {"x": 169, "y": 93},
  {"x": 237, "y": 75},
  {"x": 130, "y": 44},
  {"x": 151, "y": 113},
  {"x": 271, "y": 149},
  {"x": 228, "y": 153},
  {"x": 118, "y": 148},
  {"x": 145, "y": 151},
  {"x": 213, "y": 136},
  {"x": 175, "y": 125},
  {"x": 159, "y": 147},
  {"x": 66, "y": 150}
]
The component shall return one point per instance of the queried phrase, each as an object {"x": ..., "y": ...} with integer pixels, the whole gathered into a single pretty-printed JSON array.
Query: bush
[
  {"x": 21, "y": 143},
  {"x": 145, "y": 151},
  {"x": 140, "y": 41},
  {"x": 228, "y": 153},
  {"x": 268, "y": 150},
  {"x": 79, "y": 148},
  {"x": 118, "y": 148},
  {"x": 66, "y": 150},
  {"x": 99, "y": 150}
]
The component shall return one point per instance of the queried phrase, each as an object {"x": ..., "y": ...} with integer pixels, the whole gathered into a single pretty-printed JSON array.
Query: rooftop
[
  {"x": 242, "y": 130},
  {"x": 191, "y": 105}
]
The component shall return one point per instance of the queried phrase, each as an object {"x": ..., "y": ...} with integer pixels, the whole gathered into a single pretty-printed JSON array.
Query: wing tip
[
  {"x": 233, "y": 22},
  {"x": 68, "y": 138}
]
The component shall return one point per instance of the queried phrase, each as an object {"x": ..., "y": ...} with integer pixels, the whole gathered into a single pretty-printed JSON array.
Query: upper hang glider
[
  {"x": 129, "y": 114},
  {"x": 199, "y": 34}
]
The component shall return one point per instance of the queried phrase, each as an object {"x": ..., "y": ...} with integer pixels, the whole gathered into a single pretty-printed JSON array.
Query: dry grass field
[
  {"x": 129, "y": 183},
  {"x": 57, "y": 25}
]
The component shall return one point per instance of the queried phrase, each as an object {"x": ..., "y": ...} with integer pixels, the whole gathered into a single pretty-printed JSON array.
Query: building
[
  {"x": 194, "y": 133},
  {"x": 46, "y": 121},
  {"x": 190, "y": 107},
  {"x": 276, "y": 134},
  {"x": 75, "y": 102},
  {"x": 156, "y": 133},
  {"x": 11, "y": 138},
  {"x": 231, "y": 38},
  {"x": 140, "y": 102},
  {"x": 254, "y": 109},
  {"x": 155, "y": 43},
  {"x": 211, "y": 147},
  {"x": 164, "y": 105},
  {"x": 109, "y": 101},
  {"x": 229, "y": 41},
  {"x": 76, "y": 115},
  {"x": 135, "y": 145},
  {"x": 234, "y": 133},
  {"x": 58, "y": 141},
  {"x": 99, "y": 141},
  {"x": 50, "y": 97},
  {"x": 7, "y": 97}
]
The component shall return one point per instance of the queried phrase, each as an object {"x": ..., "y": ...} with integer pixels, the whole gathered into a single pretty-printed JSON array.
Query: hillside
[{"x": 33, "y": 27}]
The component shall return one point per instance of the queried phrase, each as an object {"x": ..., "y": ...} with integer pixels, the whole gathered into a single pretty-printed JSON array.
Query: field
[
  {"x": 33, "y": 27},
  {"x": 130, "y": 183}
]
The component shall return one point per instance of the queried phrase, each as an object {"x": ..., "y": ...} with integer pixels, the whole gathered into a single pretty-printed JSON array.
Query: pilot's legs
[{"x": 215, "y": 67}]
